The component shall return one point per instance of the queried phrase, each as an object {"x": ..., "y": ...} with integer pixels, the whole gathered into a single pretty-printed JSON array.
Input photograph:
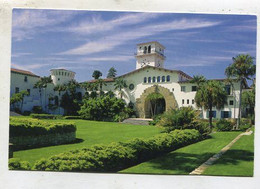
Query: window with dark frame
[
  {"x": 25, "y": 79},
  {"x": 149, "y": 79},
  {"x": 192, "y": 101},
  {"x": 188, "y": 101},
  {"x": 163, "y": 78},
  {"x": 183, "y": 88},
  {"x": 154, "y": 79},
  {"x": 16, "y": 89},
  {"x": 182, "y": 101},
  {"x": 29, "y": 92},
  {"x": 158, "y": 79},
  {"x": 231, "y": 102},
  {"x": 168, "y": 78},
  {"x": 145, "y": 79},
  {"x": 194, "y": 88}
]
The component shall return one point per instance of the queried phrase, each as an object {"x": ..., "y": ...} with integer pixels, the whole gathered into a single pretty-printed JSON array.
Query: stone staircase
[{"x": 137, "y": 121}]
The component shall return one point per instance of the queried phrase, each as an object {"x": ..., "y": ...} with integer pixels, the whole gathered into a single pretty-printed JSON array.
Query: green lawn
[
  {"x": 186, "y": 159},
  {"x": 238, "y": 161},
  {"x": 91, "y": 132}
]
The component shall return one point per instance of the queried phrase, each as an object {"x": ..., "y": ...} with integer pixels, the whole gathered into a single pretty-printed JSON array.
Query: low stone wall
[{"x": 26, "y": 142}]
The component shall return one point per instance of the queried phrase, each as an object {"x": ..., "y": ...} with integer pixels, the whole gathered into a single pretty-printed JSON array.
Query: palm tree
[
  {"x": 241, "y": 69},
  {"x": 120, "y": 84},
  {"x": 111, "y": 73},
  {"x": 100, "y": 83},
  {"x": 42, "y": 84},
  {"x": 59, "y": 88},
  {"x": 198, "y": 79},
  {"x": 211, "y": 94},
  {"x": 97, "y": 74},
  {"x": 154, "y": 99}
]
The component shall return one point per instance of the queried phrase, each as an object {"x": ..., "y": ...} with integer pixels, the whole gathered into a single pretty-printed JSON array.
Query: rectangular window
[
  {"x": 25, "y": 79},
  {"x": 194, "y": 88},
  {"x": 192, "y": 101},
  {"x": 183, "y": 88},
  {"x": 29, "y": 92},
  {"x": 213, "y": 113},
  {"x": 231, "y": 102},
  {"x": 228, "y": 89},
  {"x": 188, "y": 101},
  {"x": 16, "y": 89},
  {"x": 158, "y": 79},
  {"x": 154, "y": 79},
  {"x": 182, "y": 101},
  {"x": 149, "y": 79},
  {"x": 225, "y": 114}
]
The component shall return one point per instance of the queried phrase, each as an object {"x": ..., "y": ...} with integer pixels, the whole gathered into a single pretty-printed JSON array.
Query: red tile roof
[{"x": 24, "y": 72}]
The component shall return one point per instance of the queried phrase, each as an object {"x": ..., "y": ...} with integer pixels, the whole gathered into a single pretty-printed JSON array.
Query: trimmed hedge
[
  {"x": 118, "y": 156},
  {"x": 46, "y": 116},
  {"x": 72, "y": 117},
  {"x": 16, "y": 164},
  {"x": 20, "y": 127}
]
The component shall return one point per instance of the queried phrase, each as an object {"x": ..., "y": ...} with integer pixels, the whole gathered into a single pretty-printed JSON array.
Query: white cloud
[
  {"x": 109, "y": 58},
  {"x": 16, "y": 55},
  {"x": 27, "y": 23},
  {"x": 108, "y": 42},
  {"x": 29, "y": 67}
]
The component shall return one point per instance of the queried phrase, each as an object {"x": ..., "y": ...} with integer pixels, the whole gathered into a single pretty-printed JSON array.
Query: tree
[
  {"x": 198, "y": 79},
  {"x": 42, "y": 84},
  {"x": 111, "y": 73},
  {"x": 248, "y": 101},
  {"x": 154, "y": 99},
  {"x": 18, "y": 97},
  {"x": 211, "y": 94},
  {"x": 120, "y": 84},
  {"x": 96, "y": 74},
  {"x": 100, "y": 83},
  {"x": 241, "y": 69}
]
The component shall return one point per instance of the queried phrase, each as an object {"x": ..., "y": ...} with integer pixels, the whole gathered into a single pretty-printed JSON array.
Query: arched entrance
[
  {"x": 154, "y": 105},
  {"x": 142, "y": 104}
]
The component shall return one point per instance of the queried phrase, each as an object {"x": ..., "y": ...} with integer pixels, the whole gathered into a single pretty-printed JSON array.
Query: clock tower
[{"x": 150, "y": 54}]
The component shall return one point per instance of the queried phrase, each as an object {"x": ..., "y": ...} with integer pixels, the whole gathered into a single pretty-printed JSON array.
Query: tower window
[
  {"x": 168, "y": 78},
  {"x": 182, "y": 101},
  {"x": 188, "y": 101},
  {"x": 154, "y": 79},
  {"x": 149, "y": 49},
  {"x": 25, "y": 78},
  {"x": 145, "y": 79},
  {"x": 192, "y": 101},
  {"x": 145, "y": 50},
  {"x": 158, "y": 79},
  {"x": 163, "y": 78},
  {"x": 149, "y": 79}
]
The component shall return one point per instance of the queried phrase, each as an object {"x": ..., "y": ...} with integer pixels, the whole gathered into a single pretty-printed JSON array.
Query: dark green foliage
[
  {"x": 33, "y": 127},
  {"x": 46, "y": 116},
  {"x": 156, "y": 119},
  {"x": 224, "y": 125},
  {"x": 177, "y": 118},
  {"x": 245, "y": 127},
  {"x": 111, "y": 73},
  {"x": 117, "y": 156},
  {"x": 37, "y": 109},
  {"x": 16, "y": 164},
  {"x": 102, "y": 108},
  {"x": 26, "y": 113},
  {"x": 96, "y": 74}
]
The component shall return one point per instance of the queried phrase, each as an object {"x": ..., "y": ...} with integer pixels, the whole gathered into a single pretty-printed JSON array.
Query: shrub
[
  {"x": 156, "y": 119},
  {"x": 224, "y": 125},
  {"x": 34, "y": 127},
  {"x": 103, "y": 108},
  {"x": 46, "y": 116},
  {"x": 245, "y": 127},
  {"x": 72, "y": 117},
  {"x": 37, "y": 110},
  {"x": 177, "y": 118},
  {"x": 117, "y": 156},
  {"x": 26, "y": 113},
  {"x": 201, "y": 126},
  {"x": 16, "y": 164}
]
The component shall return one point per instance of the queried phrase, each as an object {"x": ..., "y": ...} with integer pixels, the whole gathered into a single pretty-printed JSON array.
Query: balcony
[{"x": 146, "y": 53}]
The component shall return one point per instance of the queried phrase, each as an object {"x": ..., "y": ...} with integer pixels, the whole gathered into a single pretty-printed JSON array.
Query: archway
[
  {"x": 141, "y": 103},
  {"x": 154, "y": 105}
]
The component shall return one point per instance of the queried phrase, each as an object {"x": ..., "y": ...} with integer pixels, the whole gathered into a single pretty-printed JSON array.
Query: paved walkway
[
  {"x": 210, "y": 161},
  {"x": 137, "y": 121}
]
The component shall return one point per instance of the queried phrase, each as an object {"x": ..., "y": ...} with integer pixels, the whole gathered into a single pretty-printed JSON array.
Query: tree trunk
[
  {"x": 210, "y": 118},
  {"x": 239, "y": 105}
]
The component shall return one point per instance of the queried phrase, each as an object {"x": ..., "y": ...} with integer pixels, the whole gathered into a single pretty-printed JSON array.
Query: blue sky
[{"x": 84, "y": 41}]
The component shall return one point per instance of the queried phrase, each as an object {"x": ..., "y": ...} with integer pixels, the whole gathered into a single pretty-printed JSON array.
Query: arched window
[
  {"x": 158, "y": 79},
  {"x": 145, "y": 50},
  {"x": 56, "y": 100},
  {"x": 168, "y": 78},
  {"x": 149, "y": 49},
  {"x": 65, "y": 73},
  {"x": 145, "y": 79},
  {"x": 61, "y": 73},
  {"x": 163, "y": 78},
  {"x": 154, "y": 79},
  {"x": 149, "y": 79}
]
